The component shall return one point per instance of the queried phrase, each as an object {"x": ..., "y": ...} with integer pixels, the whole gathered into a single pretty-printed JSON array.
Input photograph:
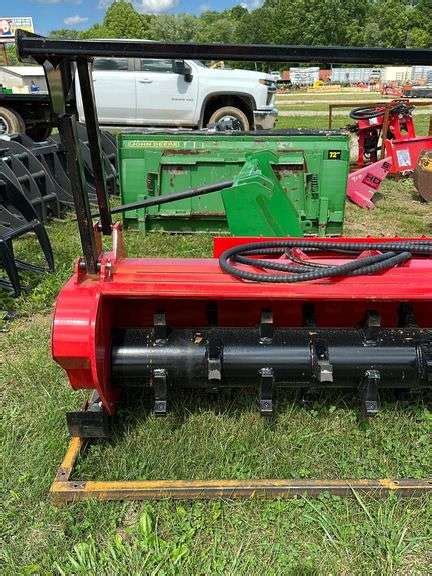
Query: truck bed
[{"x": 24, "y": 98}]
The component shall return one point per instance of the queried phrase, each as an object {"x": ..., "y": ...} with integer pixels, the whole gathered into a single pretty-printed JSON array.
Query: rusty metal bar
[
  {"x": 64, "y": 490},
  {"x": 76, "y": 445}
]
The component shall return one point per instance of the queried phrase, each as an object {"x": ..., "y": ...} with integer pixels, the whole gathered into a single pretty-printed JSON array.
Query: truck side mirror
[{"x": 180, "y": 67}]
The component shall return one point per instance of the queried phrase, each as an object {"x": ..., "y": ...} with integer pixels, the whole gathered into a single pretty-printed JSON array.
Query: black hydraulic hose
[
  {"x": 366, "y": 113},
  {"x": 292, "y": 270},
  {"x": 363, "y": 113},
  {"x": 157, "y": 201}
]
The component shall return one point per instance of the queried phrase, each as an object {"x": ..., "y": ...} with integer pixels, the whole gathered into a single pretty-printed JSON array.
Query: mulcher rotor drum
[{"x": 230, "y": 357}]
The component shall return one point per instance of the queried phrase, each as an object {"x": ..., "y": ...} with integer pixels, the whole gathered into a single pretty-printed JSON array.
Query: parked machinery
[
  {"x": 287, "y": 182},
  {"x": 18, "y": 217},
  {"x": 387, "y": 144},
  {"x": 305, "y": 314},
  {"x": 376, "y": 124}
]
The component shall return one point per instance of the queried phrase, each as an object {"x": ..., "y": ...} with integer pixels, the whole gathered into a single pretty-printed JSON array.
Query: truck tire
[
  {"x": 11, "y": 122},
  {"x": 40, "y": 132},
  {"x": 239, "y": 118}
]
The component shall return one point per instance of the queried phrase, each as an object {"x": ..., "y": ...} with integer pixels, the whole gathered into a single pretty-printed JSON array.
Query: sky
[{"x": 80, "y": 14}]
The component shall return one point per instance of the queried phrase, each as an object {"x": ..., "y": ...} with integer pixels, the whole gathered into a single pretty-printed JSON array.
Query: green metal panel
[
  {"x": 312, "y": 168},
  {"x": 257, "y": 204}
]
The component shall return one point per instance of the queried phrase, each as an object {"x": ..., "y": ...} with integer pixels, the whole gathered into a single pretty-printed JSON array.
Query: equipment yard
[{"x": 208, "y": 438}]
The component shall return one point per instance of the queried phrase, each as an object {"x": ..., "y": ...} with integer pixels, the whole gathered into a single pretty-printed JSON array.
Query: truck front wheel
[
  {"x": 10, "y": 122},
  {"x": 40, "y": 132},
  {"x": 235, "y": 116}
]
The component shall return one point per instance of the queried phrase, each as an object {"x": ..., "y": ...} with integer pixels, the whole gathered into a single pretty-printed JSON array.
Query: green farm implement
[{"x": 285, "y": 183}]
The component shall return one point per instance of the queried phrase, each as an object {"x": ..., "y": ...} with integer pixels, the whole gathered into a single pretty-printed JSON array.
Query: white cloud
[
  {"x": 251, "y": 4},
  {"x": 155, "y": 6},
  {"x": 102, "y": 4},
  {"x": 58, "y": 1},
  {"x": 74, "y": 20},
  {"x": 205, "y": 7}
]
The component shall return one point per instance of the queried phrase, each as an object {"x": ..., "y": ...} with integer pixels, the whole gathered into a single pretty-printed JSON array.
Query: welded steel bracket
[{"x": 93, "y": 422}]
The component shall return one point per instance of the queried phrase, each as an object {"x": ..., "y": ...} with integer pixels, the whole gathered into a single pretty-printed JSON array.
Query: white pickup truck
[
  {"x": 149, "y": 92},
  {"x": 179, "y": 93}
]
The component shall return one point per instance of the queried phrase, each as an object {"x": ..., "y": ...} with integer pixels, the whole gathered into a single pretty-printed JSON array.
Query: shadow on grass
[{"x": 137, "y": 404}]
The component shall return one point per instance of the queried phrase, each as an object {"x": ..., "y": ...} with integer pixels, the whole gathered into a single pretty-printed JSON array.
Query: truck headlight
[{"x": 271, "y": 84}]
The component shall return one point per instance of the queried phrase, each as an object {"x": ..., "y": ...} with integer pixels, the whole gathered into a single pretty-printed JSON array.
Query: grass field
[
  {"x": 204, "y": 438},
  {"x": 337, "y": 95},
  {"x": 321, "y": 122},
  {"x": 298, "y": 106}
]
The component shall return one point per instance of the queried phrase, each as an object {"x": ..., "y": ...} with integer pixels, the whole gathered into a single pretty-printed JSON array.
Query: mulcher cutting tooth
[{"x": 369, "y": 393}]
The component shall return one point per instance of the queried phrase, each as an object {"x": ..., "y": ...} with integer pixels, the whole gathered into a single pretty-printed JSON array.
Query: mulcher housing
[{"x": 171, "y": 323}]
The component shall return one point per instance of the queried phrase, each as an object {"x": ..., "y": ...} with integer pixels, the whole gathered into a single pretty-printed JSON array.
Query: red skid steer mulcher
[{"x": 262, "y": 313}]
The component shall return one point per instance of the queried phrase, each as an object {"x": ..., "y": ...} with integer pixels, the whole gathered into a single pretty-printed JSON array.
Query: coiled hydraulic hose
[
  {"x": 366, "y": 113},
  {"x": 294, "y": 269}
]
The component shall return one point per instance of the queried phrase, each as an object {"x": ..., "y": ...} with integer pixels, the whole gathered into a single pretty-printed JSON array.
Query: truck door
[
  {"x": 164, "y": 97},
  {"x": 115, "y": 90}
]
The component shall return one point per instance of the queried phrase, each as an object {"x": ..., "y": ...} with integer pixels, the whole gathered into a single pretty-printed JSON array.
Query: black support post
[
  {"x": 69, "y": 137},
  {"x": 60, "y": 81},
  {"x": 92, "y": 124}
]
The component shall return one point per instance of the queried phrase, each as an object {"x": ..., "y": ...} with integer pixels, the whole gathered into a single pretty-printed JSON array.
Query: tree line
[{"x": 386, "y": 23}]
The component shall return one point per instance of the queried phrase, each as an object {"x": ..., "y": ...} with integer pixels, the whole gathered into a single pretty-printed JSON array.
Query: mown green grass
[
  {"x": 286, "y": 106},
  {"x": 205, "y": 438},
  {"x": 200, "y": 438},
  {"x": 321, "y": 122}
]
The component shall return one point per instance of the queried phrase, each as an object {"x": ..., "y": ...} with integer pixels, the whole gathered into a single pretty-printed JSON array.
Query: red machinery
[
  {"x": 392, "y": 90},
  {"x": 404, "y": 153},
  {"x": 305, "y": 314},
  {"x": 391, "y": 122},
  {"x": 169, "y": 323},
  {"x": 390, "y": 126}
]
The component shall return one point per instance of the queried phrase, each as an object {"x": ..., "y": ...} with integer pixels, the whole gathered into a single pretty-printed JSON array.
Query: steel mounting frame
[{"x": 66, "y": 490}]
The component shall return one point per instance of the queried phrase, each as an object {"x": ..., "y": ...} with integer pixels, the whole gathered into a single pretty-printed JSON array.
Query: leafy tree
[
  {"x": 392, "y": 23},
  {"x": 98, "y": 31},
  {"x": 419, "y": 38},
  {"x": 221, "y": 27},
  {"x": 420, "y": 35},
  {"x": 123, "y": 21},
  {"x": 65, "y": 33},
  {"x": 11, "y": 55},
  {"x": 261, "y": 25},
  {"x": 173, "y": 28},
  {"x": 393, "y": 17}
]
